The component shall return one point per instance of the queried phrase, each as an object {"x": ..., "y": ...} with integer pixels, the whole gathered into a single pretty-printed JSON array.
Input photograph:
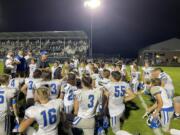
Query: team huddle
[{"x": 82, "y": 98}]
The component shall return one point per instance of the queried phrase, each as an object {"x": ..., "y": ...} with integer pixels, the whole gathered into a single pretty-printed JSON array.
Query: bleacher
[{"x": 57, "y": 43}]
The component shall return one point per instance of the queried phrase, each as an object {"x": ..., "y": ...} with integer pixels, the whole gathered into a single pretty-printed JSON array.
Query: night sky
[{"x": 120, "y": 26}]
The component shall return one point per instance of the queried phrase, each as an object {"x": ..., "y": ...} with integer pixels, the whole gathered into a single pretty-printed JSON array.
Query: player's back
[
  {"x": 117, "y": 92},
  {"x": 30, "y": 82},
  {"x": 5, "y": 95},
  {"x": 47, "y": 116},
  {"x": 69, "y": 93},
  {"x": 16, "y": 83},
  {"x": 55, "y": 86},
  {"x": 88, "y": 102}
]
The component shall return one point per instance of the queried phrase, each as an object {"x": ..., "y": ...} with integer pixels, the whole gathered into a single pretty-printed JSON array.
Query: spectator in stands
[
  {"x": 21, "y": 64},
  {"x": 43, "y": 63},
  {"x": 10, "y": 64}
]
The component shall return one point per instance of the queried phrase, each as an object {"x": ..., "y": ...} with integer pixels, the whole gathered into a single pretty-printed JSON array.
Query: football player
[
  {"x": 46, "y": 113},
  {"x": 135, "y": 78},
  {"x": 167, "y": 82},
  {"x": 7, "y": 101},
  {"x": 85, "y": 105},
  {"x": 163, "y": 104},
  {"x": 28, "y": 87},
  {"x": 117, "y": 92},
  {"x": 68, "y": 91}
]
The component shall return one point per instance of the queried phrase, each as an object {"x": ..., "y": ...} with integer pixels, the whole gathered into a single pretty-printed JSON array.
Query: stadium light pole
[{"x": 92, "y": 5}]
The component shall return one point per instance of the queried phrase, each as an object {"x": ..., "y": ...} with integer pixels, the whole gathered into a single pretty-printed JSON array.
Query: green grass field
[{"x": 135, "y": 124}]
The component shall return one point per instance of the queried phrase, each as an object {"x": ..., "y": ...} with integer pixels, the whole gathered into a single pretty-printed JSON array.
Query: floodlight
[{"x": 92, "y": 4}]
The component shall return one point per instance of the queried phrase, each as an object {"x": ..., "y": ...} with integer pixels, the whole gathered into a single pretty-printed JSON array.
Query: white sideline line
[{"x": 156, "y": 131}]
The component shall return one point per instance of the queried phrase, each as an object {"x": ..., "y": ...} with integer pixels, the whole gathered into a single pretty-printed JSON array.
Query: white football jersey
[
  {"x": 117, "y": 91},
  {"x": 88, "y": 102},
  {"x": 167, "y": 80},
  {"x": 5, "y": 94},
  {"x": 167, "y": 102},
  {"x": 69, "y": 93},
  {"x": 147, "y": 72},
  {"x": 15, "y": 83},
  {"x": 32, "y": 68},
  {"x": 54, "y": 85},
  {"x": 104, "y": 81},
  {"x": 46, "y": 115},
  {"x": 135, "y": 76},
  {"x": 30, "y": 82},
  {"x": 97, "y": 79}
]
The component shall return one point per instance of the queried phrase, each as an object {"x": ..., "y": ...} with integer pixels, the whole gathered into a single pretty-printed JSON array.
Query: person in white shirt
[
  {"x": 68, "y": 91},
  {"x": 53, "y": 84},
  {"x": 85, "y": 104},
  {"x": 10, "y": 64},
  {"x": 163, "y": 104},
  {"x": 32, "y": 67},
  {"x": 53, "y": 68},
  {"x": 117, "y": 92},
  {"x": 16, "y": 83},
  {"x": 166, "y": 80},
  {"x": 29, "y": 86},
  {"x": 46, "y": 113},
  {"x": 6, "y": 95},
  {"x": 146, "y": 76},
  {"x": 135, "y": 78}
]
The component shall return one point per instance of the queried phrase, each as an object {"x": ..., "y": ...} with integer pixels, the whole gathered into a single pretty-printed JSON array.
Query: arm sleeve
[
  {"x": 30, "y": 112},
  {"x": 155, "y": 90}
]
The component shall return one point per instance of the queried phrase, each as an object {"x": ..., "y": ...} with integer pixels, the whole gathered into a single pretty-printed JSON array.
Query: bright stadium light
[{"x": 93, "y": 4}]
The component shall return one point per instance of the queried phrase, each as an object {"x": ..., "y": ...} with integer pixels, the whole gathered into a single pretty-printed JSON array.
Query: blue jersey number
[
  {"x": 71, "y": 96},
  {"x": 1, "y": 97},
  {"x": 53, "y": 89},
  {"x": 30, "y": 85},
  {"x": 13, "y": 83},
  {"x": 91, "y": 101},
  {"x": 50, "y": 117},
  {"x": 119, "y": 91}
]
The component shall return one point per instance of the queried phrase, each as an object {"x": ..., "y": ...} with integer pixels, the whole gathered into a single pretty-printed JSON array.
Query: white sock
[{"x": 174, "y": 132}]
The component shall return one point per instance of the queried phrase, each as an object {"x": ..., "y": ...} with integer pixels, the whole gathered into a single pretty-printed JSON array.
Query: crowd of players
[{"x": 82, "y": 96}]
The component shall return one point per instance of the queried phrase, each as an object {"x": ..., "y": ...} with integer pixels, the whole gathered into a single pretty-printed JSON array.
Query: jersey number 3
[
  {"x": 91, "y": 101},
  {"x": 49, "y": 117}
]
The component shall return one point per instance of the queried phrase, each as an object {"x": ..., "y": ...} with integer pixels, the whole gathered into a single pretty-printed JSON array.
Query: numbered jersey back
[
  {"x": 47, "y": 116},
  {"x": 88, "y": 102},
  {"x": 69, "y": 93},
  {"x": 117, "y": 92},
  {"x": 30, "y": 82},
  {"x": 3, "y": 104},
  {"x": 15, "y": 83},
  {"x": 55, "y": 86}
]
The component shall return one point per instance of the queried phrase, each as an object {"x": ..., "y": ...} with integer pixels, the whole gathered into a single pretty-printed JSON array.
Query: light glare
[{"x": 93, "y": 4}]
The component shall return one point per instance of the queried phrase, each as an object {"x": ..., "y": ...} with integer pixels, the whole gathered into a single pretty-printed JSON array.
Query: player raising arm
[{"x": 46, "y": 113}]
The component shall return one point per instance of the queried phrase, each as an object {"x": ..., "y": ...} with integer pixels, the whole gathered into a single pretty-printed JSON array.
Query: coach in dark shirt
[
  {"x": 22, "y": 64},
  {"x": 43, "y": 63}
]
